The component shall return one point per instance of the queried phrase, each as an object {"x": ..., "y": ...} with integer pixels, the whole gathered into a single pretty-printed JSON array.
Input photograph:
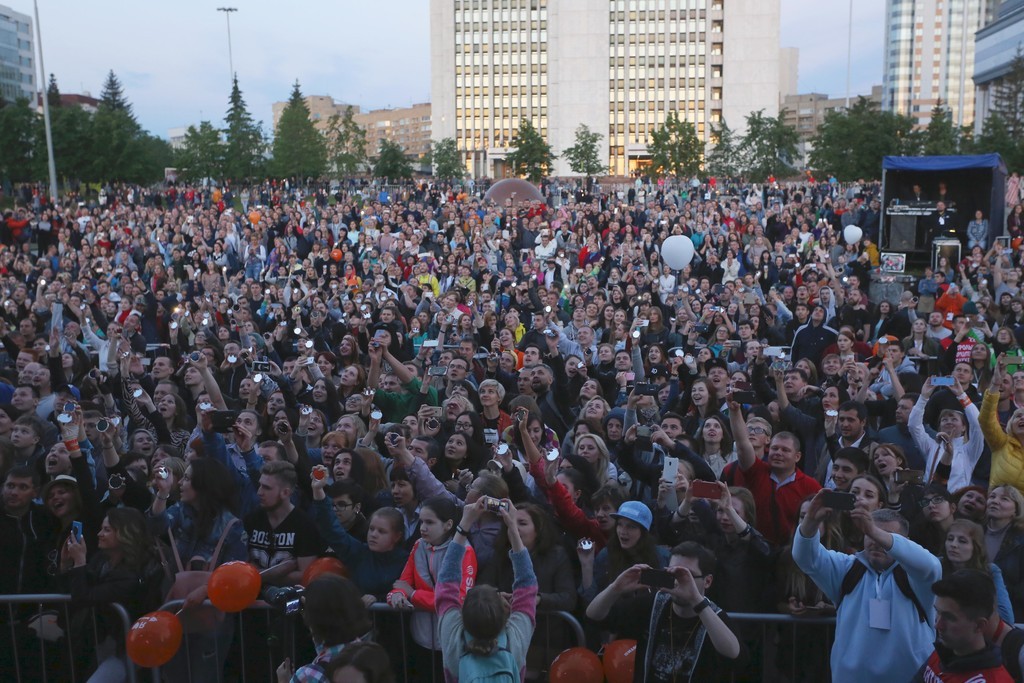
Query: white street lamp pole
[
  {"x": 46, "y": 110},
  {"x": 227, "y": 15}
]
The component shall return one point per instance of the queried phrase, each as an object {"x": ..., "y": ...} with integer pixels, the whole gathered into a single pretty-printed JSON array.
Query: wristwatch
[{"x": 701, "y": 606}]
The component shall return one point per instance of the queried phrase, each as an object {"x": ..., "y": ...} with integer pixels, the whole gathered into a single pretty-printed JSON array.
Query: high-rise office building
[
  {"x": 995, "y": 48},
  {"x": 619, "y": 67},
  {"x": 17, "y": 60},
  {"x": 929, "y": 56}
]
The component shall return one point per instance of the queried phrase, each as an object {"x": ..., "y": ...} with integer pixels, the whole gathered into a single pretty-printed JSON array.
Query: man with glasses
[{"x": 347, "y": 498}]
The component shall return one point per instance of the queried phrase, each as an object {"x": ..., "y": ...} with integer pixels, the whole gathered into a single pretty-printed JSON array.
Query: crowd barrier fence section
[
  {"x": 47, "y": 637},
  {"x": 267, "y": 635}
]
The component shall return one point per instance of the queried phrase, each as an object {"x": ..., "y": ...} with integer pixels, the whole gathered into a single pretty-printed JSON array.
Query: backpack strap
[
  {"x": 899, "y": 575},
  {"x": 850, "y": 581},
  {"x": 903, "y": 583}
]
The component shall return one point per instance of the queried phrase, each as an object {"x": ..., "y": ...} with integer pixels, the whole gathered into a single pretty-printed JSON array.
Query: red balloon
[
  {"x": 619, "y": 661},
  {"x": 254, "y": 217},
  {"x": 154, "y": 639},
  {"x": 233, "y": 586},
  {"x": 337, "y": 255},
  {"x": 324, "y": 565},
  {"x": 576, "y": 665}
]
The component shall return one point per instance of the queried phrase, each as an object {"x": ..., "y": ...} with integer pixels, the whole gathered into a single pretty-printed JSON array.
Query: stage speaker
[{"x": 903, "y": 233}]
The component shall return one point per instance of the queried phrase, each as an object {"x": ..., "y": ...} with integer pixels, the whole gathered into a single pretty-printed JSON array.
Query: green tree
[
  {"x": 201, "y": 154},
  {"x": 446, "y": 160},
  {"x": 941, "y": 137},
  {"x": 1008, "y": 98},
  {"x": 675, "y": 148},
  {"x": 114, "y": 133},
  {"x": 299, "y": 148},
  {"x": 17, "y": 125},
  {"x": 151, "y": 156},
  {"x": 1002, "y": 129},
  {"x": 584, "y": 156},
  {"x": 768, "y": 146},
  {"x": 113, "y": 97},
  {"x": 244, "y": 143},
  {"x": 72, "y": 130},
  {"x": 532, "y": 156},
  {"x": 724, "y": 158},
  {"x": 850, "y": 143},
  {"x": 391, "y": 161},
  {"x": 346, "y": 144},
  {"x": 53, "y": 92}
]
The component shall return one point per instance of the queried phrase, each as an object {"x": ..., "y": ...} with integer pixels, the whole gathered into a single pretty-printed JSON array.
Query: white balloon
[
  {"x": 677, "y": 252},
  {"x": 852, "y": 234}
]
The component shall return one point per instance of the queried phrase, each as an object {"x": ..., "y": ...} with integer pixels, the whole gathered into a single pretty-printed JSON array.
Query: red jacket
[{"x": 423, "y": 586}]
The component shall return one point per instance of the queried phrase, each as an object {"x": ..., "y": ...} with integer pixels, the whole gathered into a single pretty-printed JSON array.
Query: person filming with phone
[
  {"x": 681, "y": 635},
  {"x": 954, "y": 452},
  {"x": 884, "y": 619}
]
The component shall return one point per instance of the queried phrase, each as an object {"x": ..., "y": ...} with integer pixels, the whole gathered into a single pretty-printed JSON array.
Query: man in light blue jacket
[{"x": 885, "y": 627}]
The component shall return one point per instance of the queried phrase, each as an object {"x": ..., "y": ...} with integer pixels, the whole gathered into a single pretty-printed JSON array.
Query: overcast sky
[{"x": 172, "y": 57}]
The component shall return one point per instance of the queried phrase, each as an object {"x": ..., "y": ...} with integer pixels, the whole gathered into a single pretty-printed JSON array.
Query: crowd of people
[{"x": 490, "y": 412}]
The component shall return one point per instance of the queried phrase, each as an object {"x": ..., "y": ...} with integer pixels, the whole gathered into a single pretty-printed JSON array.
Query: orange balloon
[
  {"x": 233, "y": 586},
  {"x": 324, "y": 565},
  {"x": 576, "y": 665},
  {"x": 620, "y": 661},
  {"x": 337, "y": 254},
  {"x": 154, "y": 639},
  {"x": 254, "y": 217}
]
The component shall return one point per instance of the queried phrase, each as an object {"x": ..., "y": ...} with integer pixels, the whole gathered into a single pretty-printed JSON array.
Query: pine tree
[
  {"x": 532, "y": 156},
  {"x": 941, "y": 137},
  {"x": 243, "y": 138},
  {"x": 113, "y": 97},
  {"x": 53, "y": 92},
  {"x": 299, "y": 148}
]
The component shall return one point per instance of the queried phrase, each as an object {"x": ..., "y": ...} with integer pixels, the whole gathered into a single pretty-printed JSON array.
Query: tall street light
[
  {"x": 227, "y": 15},
  {"x": 46, "y": 110}
]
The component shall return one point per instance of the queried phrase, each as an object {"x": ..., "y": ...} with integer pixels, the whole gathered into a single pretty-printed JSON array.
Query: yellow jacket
[{"x": 1007, "y": 450}]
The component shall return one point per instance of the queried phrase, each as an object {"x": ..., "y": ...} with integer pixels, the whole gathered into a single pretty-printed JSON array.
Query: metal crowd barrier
[
  {"x": 48, "y": 640},
  {"x": 785, "y": 648},
  {"x": 264, "y": 636}
]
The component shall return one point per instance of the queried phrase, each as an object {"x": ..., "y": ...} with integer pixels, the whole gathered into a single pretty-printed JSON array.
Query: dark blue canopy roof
[{"x": 953, "y": 163}]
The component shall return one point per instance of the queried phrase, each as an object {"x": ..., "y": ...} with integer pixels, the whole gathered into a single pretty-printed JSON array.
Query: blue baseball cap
[{"x": 635, "y": 512}]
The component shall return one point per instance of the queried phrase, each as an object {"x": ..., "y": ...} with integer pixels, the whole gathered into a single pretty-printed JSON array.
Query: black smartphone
[
  {"x": 437, "y": 371},
  {"x": 908, "y": 477},
  {"x": 748, "y": 397},
  {"x": 657, "y": 578},
  {"x": 261, "y": 366},
  {"x": 646, "y": 389},
  {"x": 838, "y": 500},
  {"x": 223, "y": 420}
]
